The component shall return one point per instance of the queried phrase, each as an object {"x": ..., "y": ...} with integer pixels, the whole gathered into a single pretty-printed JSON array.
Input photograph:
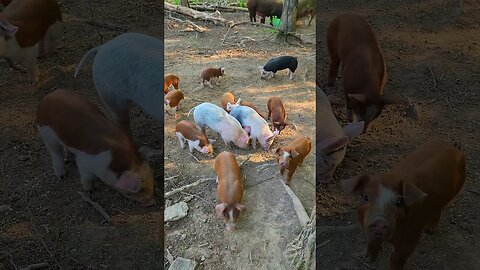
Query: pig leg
[
  {"x": 404, "y": 249},
  {"x": 87, "y": 180},
  {"x": 374, "y": 247},
  {"x": 55, "y": 149},
  {"x": 181, "y": 139},
  {"x": 290, "y": 74},
  {"x": 174, "y": 112},
  {"x": 209, "y": 83},
  {"x": 288, "y": 177},
  {"x": 254, "y": 142},
  {"x": 269, "y": 114},
  {"x": 432, "y": 225},
  {"x": 31, "y": 65},
  {"x": 334, "y": 62}
]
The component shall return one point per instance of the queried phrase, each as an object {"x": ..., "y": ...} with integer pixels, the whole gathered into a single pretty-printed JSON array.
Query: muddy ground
[
  {"x": 432, "y": 51},
  {"x": 261, "y": 233},
  {"x": 49, "y": 222}
]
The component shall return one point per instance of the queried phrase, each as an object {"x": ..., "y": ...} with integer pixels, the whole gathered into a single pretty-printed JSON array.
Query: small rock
[
  {"x": 176, "y": 211},
  {"x": 183, "y": 237},
  {"x": 182, "y": 264},
  {"x": 202, "y": 258},
  {"x": 188, "y": 198}
]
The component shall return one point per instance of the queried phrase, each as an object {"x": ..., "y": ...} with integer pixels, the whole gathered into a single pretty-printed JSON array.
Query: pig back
[
  {"x": 174, "y": 96},
  {"x": 130, "y": 68},
  {"x": 230, "y": 186},
  {"x": 33, "y": 18},
  {"x": 302, "y": 145},
  {"x": 438, "y": 169}
]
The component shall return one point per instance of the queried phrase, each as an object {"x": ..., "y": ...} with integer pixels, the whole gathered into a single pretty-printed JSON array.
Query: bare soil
[
  {"x": 269, "y": 222},
  {"x": 432, "y": 53},
  {"x": 49, "y": 221}
]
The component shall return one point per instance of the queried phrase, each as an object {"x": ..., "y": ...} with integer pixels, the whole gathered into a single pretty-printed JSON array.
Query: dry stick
[
  {"x": 169, "y": 256},
  {"x": 323, "y": 244},
  {"x": 196, "y": 196},
  {"x": 170, "y": 178},
  {"x": 433, "y": 77},
  {"x": 364, "y": 263},
  {"x": 95, "y": 205},
  {"x": 449, "y": 105},
  {"x": 180, "y": 189},
  {"x": 293, "y": 34},
  {"x": 194, "y": 157},
  {"x": 194, "y": 26},
  {"x": 218, "y": 7},
  {"x": 243, "y": 162},
  {"x": 35, "y": 266}
]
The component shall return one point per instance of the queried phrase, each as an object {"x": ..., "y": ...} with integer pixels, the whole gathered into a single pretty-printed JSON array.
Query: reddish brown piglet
[
  {"x": 210, "y": 74},
  {"x": 292, "y": 155},
  {"x": 230, "y": 189},
  {"x": 170, "y": 80},
  {"x": 228, "y": 98},
  {"x": 192, "y": 134},
  {"x": 352, "y": 42},
  {"x": 172, "y": 99},
  {"x": 277, "y": 111},
  {"x": 397, "y": 205}
]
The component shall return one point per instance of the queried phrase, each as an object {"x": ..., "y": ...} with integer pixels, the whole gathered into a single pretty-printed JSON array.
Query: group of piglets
[{"x": 396, "y": 205}]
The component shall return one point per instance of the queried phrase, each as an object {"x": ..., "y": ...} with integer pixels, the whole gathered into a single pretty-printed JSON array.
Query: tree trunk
[
  {"x": 289, "y": 16},
  {"x": 185, "y": 3}
]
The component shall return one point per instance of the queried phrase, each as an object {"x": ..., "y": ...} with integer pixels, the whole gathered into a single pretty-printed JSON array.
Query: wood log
[
  {"x": 219, "y": 8},
  {"x": 212, "y": 17}
]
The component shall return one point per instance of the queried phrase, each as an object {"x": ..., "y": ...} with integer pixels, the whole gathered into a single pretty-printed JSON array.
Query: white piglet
[
  {"x": 213, "y": 116},
  {"x": 254, "y": 124}
]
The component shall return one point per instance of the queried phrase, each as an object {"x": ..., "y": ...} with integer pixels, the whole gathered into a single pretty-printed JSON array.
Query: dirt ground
[
  {"x": 49, "y": 221},
  {"x": 432, "y": 51},
  {"x": 261, "y": 235}
]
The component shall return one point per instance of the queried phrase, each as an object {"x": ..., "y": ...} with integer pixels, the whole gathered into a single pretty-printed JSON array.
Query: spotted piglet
[
  {"x": 210, "y": 74},
  {"x": 189, "y": 132}
]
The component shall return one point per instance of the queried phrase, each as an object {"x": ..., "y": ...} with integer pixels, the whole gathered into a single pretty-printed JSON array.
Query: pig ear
[
  {"x": 8, "y": 29},
  {"x": 390, "y": 98},
  {"x": 230, "y": 106},
  {"x": 220, "y": 208},
  {"x": 355, "y": 184},
  {"x": 247, "y": 129},
  {"x": 129, "y": 181},
  {"x": 167, "y": 101},
  {"x": 412, "y": 194},
  {"x": 352, "y": 130},
  {"x": 332, "y": 144},
  {"x": 240, "y": 207},
  {"x": 358, "y": 97},
  {"x": 294, "y": 153}
]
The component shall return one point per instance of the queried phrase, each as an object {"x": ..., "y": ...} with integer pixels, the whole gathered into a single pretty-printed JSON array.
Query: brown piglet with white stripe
[
  {"x": 69, "y": 122},
  {"x": 187, "y": 131},
  {"x": 230, "y": 189},
  {"x": 291, "y": 156},
  {"x": 397, "y": 205},
  {"x": 25, "y": 24}
]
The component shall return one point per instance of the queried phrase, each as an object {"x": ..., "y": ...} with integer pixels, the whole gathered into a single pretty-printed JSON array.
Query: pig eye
[
  {"x": 399, "y": 203},
  {"x": 365, "y": 198}
]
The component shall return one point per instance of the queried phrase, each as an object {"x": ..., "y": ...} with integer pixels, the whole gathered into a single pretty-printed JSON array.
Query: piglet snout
[
  {"x": 230, "y": 227},
  {"x": 379, "y": 228}
]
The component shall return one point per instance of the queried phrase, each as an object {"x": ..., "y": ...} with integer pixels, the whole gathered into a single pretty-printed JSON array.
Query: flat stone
[
  {"x": 182, "y": 264},
  {"x": 176, "y": 211}
]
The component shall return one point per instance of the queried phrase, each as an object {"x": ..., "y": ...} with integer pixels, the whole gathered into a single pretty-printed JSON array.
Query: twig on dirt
[
  {"x": 258, "y": 183},
  {"x": 193, "y": 25},
  {"x": 35, "y": 266},
  {"x": 364, "y": 263},
  {"x": 243, "y": 162},
  {"x": 171, "y": 177},
  {"x": 5, "y": 208},
  {"x": 194, "y": 157},
  {"x": 15, "y": 66},
  {"x": 217, "y": 7},
  {"x": 169, "y": 256},
  {"x": 449, "y": 105},
  {"x": 433, "y": 77},
  {"x": 287, "y": 34},
  {"x": 196, "y": 196},
  {"x": 323, "y": 244},
  {"x": 180, "y": 189},
  {"x": 95, "y": 205},
  {"x": 202, "y": 245},
  {"x": 250, "y": 257},
  {"x": 106, "y": 25},
  {"x": 212, "y": 17},
  {"x": 474, "y": 192}
]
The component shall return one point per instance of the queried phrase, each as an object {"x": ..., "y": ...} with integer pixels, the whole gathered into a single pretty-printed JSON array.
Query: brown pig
[
  {"x": 210, "y": 74},
  {"x": 292, "y": 155},
  {"x": 352, "y": 42},
  {"x": 189, "y": 132},
  {"x": 172, "y": 99},
  {"x": 25, "y": 24},
  {"x": 397, "y": 205},
  {"x": 69, "y": 122},
  {"x": 170, "y": 80},
  {"x": 277, "y": 111},
  {"x": 230, "y": 189},
  {"x": 228, "y": 98}
]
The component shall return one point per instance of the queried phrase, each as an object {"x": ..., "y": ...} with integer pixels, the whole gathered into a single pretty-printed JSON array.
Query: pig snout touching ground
[
  {"x": 172, "y": 100},
  {"x": 352, "y": 42},
  {"x": 211, "y": 74},
  {"x": 228, "y": 101},
  {"x": 264, "y": 8},
  {"x": 189, "y": 132},
  {"x": 397, "y": 205},
  {"x": 331, "y": 138},
  {"x": 69, "y": 122},
  {"x": 24, "y": 25},
  {"x": 230, "y": 189},
  {"x": 211, "y": 115},
  {"x": 255, "y": 125},
  {"x": 279, "y": 63},
  {"x": 119, "y": 80},
  {"x": 170, "y": 80},
  {"x": 277, "y": 111},
  {"x": 292, "y": 155}
]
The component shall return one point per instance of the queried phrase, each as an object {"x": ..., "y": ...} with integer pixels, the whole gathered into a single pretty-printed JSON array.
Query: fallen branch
[
  {"x": 193, "y": 25},
  {"x": 194, "y": 157},
  {"x": 219, "y": 8},
  {"x": 14, "y": 66},
  {"x": 170, "y": 178},
  {"x": 106, "y": 25},
  {"x": 293, "y": 34},
  {"x": 213, "y": 17},
  {"x": 323, "y": 244},
  {"x": 180, "y": 189},
  {"x": 95, "y": 205},
  {"x": 35, "y": 266}
]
